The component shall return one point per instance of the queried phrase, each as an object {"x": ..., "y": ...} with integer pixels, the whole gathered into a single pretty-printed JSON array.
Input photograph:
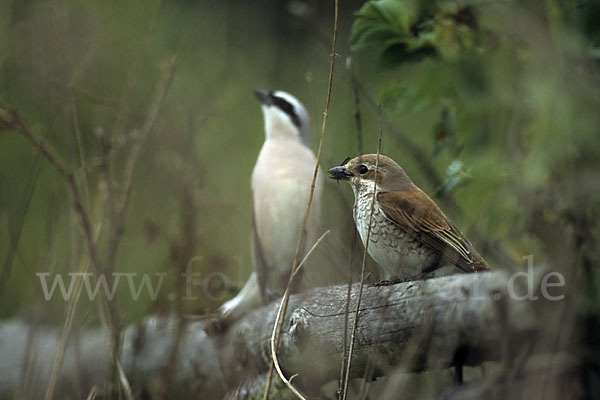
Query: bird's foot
[
  {"x": 392, "y": 282},
  {"x": 382, "y": 283},
  {"x": 418, "y": 277}
]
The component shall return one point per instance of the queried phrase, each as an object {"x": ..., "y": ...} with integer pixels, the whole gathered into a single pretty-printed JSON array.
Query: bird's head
[
  {"x": 284, "y": 115},
  {"x": 360, "y": 173}
]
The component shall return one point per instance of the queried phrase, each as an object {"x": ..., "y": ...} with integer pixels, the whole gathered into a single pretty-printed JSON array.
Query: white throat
[
  {"x": 363, "y": 187},
  {"x": 278, "y": 125}
]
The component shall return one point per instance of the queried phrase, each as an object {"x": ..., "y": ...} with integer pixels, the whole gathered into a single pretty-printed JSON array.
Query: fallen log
[{"x": 411, "y": 326}]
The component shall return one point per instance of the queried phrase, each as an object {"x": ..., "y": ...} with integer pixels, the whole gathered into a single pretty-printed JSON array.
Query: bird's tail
[{"x": 248, "y": 299}]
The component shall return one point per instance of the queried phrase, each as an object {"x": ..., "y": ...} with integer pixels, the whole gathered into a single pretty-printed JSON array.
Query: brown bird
[{"x": 411, "y": 237}]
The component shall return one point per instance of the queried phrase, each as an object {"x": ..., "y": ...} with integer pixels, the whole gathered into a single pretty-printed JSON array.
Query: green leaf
[
  {"x": 380, "y": 22},
  {"x": 400, "y": 53}
]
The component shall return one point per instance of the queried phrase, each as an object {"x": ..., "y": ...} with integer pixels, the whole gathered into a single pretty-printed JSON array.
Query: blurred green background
[{"x": 492, "y": 108}]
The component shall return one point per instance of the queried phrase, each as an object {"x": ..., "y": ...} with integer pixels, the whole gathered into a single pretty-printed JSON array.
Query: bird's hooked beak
[
  {"x": 340, "y": 173},
  {"x": 264, "y": 96}
]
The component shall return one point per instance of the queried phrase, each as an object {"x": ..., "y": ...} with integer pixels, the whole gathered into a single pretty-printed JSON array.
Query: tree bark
[{"x": 411, "y": 326}]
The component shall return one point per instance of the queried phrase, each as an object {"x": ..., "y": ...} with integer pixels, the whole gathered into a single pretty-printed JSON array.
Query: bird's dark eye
[{"x": 363, "y": 169}]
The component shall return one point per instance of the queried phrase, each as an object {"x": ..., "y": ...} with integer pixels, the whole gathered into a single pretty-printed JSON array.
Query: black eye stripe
[{"x": 287, "y": 108}]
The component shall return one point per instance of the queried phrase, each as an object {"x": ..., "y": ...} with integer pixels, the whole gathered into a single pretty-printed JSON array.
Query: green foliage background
[{"x": 500, "y": 98}]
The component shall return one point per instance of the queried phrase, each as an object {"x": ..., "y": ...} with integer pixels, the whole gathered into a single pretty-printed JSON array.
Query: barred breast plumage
[{"x": 398, "y": 253}]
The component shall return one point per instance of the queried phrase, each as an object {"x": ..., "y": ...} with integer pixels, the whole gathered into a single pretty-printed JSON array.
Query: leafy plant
[{"x": 411, "y": 30}]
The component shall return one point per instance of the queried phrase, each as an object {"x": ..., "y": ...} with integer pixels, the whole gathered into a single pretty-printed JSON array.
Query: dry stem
[
  {"x": 286, "y": 296},
  {"x": 362, "y": 272}
]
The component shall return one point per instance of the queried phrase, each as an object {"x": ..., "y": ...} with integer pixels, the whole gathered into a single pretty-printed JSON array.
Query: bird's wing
[
  {"x": 415, "y": 212},
  {"x": 260, "y": 264}
]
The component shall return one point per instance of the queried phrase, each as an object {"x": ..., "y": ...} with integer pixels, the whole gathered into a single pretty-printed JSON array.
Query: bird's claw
[{"x": 382, "y": 283}]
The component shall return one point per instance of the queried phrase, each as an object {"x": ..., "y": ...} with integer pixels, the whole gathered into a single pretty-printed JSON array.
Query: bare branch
[
  {"x": 119, "y": 222},
  {"x": 10, "y": 119}
]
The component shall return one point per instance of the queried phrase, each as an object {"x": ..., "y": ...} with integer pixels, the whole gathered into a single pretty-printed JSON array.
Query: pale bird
[{"x": 281, "y": 182}]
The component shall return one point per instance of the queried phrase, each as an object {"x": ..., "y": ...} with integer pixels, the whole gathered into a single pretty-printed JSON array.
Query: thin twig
[
  {"x": 65, "y": 58},
  {"x": 78, "y": 139},
  {"x": 46, "y": 265},
  {"x": 286, "y": 296},
  {"x": 274, "y": 360},
  {"x": 123, "y": 109},
  {"x": 346, "y": 317},
  {"x": 124, "y": 383},
  {"x": 19, "y": 219},
  {"x": 72, "y": 306},
  {"x": 93, "y": 393},
  {"x": 26, "y": 197},
  {"x": 364, "y": 264},
  {"x": 309, "y": 252},
  {"x": 12, "y": 119},
  {"x": 122, "y": 112},
  {"x": 359, "y": 146},
  {"x": 118, "y": 222},
  {"x": 357, "y": 115},
  {"x": 185, "y": 251}
]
